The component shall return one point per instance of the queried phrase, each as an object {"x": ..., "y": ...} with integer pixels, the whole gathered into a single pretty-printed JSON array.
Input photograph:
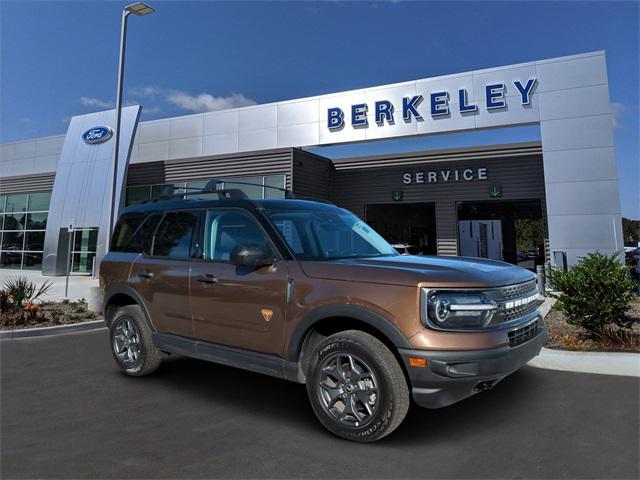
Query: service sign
[
  {"x": 445, "y": 175},
  {"x": 97, "y": 135}
]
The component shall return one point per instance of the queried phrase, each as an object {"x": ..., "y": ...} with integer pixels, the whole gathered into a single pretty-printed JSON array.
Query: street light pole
[
  {"x": 137, "y": 9},
  {"x": 114, "y": 180}
]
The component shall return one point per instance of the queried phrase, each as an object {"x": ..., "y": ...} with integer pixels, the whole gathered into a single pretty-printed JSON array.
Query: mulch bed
[
  {"x": 50, "y": 314},
  {"x": 563, "y": 336}
]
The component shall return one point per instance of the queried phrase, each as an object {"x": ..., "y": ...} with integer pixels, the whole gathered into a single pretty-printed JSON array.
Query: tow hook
[{"x": 482, "y": 386}]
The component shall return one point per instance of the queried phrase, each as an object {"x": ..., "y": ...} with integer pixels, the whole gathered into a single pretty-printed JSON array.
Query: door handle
[
  {"x": 207, "y": 278},
  {"x": 145, "y": 274}
]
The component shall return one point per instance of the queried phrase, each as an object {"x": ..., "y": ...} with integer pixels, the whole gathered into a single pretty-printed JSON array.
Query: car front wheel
[{"x": 356, "y": 386}]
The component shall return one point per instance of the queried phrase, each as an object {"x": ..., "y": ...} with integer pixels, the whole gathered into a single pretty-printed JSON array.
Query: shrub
[
  {"x": 18, "y": 292},
  {"x": 595, "y": 293}
]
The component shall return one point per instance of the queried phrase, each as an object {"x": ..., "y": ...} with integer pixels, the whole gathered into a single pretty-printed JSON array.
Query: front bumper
[{"x": 450, "y": 376}]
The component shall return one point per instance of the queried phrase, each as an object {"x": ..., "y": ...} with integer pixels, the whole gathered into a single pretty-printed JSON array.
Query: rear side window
[
  {"x": 134, "y": 232},
  {"x": 125, "y": 228},
  {"x": 175, "y": 235},
  {"x": 141, "y": 240}
]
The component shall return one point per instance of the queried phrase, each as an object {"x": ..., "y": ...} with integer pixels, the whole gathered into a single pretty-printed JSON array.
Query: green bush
[{"x": 595, "y": 293}]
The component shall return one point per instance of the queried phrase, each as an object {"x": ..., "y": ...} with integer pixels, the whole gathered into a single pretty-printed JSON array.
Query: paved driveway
[{"x": 67, "y": 412}]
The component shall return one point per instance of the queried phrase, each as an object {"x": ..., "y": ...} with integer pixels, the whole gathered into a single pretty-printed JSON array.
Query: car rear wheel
[
  {"x": 131, "y": 343},
  {"x": 356, "y": 387}
]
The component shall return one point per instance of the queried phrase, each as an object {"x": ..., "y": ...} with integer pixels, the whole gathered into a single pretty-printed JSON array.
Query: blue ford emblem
[{"x": 97, "y": 135}]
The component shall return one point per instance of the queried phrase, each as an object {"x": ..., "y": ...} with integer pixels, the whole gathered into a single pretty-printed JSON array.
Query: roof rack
[{"x": 212, "y": 187}]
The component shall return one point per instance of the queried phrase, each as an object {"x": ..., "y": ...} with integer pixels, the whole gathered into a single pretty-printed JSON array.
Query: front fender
[{"x": 363, "y": 315}]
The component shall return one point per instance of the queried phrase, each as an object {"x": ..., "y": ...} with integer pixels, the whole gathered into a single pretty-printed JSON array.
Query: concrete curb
[
  {"x": 55, "y": 330},
  {"x": 606, "y": 363}
]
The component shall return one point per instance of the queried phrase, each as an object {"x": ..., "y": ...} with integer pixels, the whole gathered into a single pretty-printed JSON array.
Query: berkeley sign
[{"x": 384, "y": 110}]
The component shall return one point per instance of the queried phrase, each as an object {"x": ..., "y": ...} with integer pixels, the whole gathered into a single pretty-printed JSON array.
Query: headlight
[{"x": 459, "y": 310}]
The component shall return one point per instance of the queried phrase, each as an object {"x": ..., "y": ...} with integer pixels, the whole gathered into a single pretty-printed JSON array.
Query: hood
[{"x": 413, "y": 270}]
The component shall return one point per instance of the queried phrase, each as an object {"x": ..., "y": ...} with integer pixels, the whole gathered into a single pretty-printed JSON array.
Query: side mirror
[{"x": 250, "y": 255}]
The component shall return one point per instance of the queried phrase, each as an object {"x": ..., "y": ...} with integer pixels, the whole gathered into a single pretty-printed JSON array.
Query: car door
[
  {"x": 161, "y": 276},
  {"x": 231, "y": 305}
]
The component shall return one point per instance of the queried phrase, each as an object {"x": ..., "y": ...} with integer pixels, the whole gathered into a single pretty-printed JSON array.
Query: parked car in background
[
  {"x": 407, "y": 249},
  {"x": 632, "y": 258}
]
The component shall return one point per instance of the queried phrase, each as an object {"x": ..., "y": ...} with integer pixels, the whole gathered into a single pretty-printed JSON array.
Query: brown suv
[{"x": 306, "y": 291}]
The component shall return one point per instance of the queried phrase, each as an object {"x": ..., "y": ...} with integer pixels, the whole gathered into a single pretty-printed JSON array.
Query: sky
[{"x": 59, "y": 59}]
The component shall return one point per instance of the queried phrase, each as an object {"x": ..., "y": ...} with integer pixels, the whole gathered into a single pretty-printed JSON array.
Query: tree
[{"x": 630, "y": 230}]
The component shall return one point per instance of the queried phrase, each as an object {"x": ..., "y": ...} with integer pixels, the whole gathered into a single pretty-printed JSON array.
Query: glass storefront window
[
  {"x": 14, "y": 221},
  {"x": 37, "y": 221},
  {"x": 34, "y": 241},
  {"x": 274, "y": 181},
  {"x": 85, "y": 241},
  {"x": 12, "y": 241},
  {"x": 83, "y": 262},
  {"x": 32, "y": 261},
  {"x": 164, "y": 189},
  {"x": 10, "y": 259},
  {"x": 138, "y": 194},
  {"x": 250, "y": 191},
  {"x": 16, "y": 203},
  {"x": 23, "y": 221},
  {"x": 39, "y": 202}
]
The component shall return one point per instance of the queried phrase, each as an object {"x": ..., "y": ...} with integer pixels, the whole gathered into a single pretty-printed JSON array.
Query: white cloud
[
  {"x": 617, "y": 111},
  {"x": 146, "y": 91},
  {"x": 95, "y": 103},
  {"x": 205, "y": 102}
]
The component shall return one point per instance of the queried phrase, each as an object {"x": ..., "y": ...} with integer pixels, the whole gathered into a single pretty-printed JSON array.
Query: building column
[{"x": 581, "y": 184}]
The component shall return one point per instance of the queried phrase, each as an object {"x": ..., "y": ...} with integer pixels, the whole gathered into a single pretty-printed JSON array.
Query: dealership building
[{"x": 550, "y": 200}]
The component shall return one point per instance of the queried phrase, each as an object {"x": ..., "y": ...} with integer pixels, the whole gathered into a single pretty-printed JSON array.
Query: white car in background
[{"x": 407, "y": 249}]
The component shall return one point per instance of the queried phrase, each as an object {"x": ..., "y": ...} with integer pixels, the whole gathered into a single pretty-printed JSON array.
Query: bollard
[
  {"x": 94, "y": 299},
  {"x": 540, "y": 279}
]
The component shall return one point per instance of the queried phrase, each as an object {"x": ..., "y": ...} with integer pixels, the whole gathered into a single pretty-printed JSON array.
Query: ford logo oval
[{"x": 97, "y": 135}]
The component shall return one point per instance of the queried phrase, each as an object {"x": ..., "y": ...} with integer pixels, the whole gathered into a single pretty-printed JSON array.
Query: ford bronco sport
[{"x": 306, "y": 291}]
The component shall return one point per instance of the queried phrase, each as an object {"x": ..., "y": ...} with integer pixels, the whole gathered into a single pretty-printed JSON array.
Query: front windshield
[{"x": 329, "y": 234}]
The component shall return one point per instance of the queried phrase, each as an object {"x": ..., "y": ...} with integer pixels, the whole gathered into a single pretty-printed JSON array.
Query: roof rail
[{"x": 212, "y": 187}]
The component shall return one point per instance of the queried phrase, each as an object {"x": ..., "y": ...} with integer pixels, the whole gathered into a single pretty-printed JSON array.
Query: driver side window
[{"x": 226, "y": 229}]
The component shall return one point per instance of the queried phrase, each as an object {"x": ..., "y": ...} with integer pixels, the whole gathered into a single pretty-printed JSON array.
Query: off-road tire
[
  {"x": 149, "y": 357},
  {"x": 393, "y": 393}
]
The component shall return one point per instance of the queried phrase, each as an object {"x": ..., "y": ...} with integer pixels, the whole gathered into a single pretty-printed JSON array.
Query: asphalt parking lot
[{"x": 68, "y": 413}]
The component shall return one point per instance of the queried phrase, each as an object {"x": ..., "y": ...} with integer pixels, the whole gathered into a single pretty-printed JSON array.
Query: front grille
[
  {"x": 522, "y": 335},
  {"x": 515, "y": 291},
  {"x": 514, "y": 302},
  {"x": 519, "y": 312}
]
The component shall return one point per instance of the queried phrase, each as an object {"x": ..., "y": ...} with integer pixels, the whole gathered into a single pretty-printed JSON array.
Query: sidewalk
[{"x": 79, "y": 285}]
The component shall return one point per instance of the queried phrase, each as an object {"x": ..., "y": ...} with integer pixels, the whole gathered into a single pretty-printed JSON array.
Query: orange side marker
[{"x": 417, "y": 362}]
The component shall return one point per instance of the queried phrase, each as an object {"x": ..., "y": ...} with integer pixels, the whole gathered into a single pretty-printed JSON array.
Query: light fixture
[{"x": 139, "y": 8}]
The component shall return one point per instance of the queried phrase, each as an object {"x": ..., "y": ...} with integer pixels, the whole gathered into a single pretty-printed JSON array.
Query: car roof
[{"x": 247, "y": 204}]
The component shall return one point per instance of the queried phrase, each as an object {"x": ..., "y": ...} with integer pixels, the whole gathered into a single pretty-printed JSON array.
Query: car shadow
[
  {"x": 244, "y": 390},
  {"x": 287, "y": 402}
]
